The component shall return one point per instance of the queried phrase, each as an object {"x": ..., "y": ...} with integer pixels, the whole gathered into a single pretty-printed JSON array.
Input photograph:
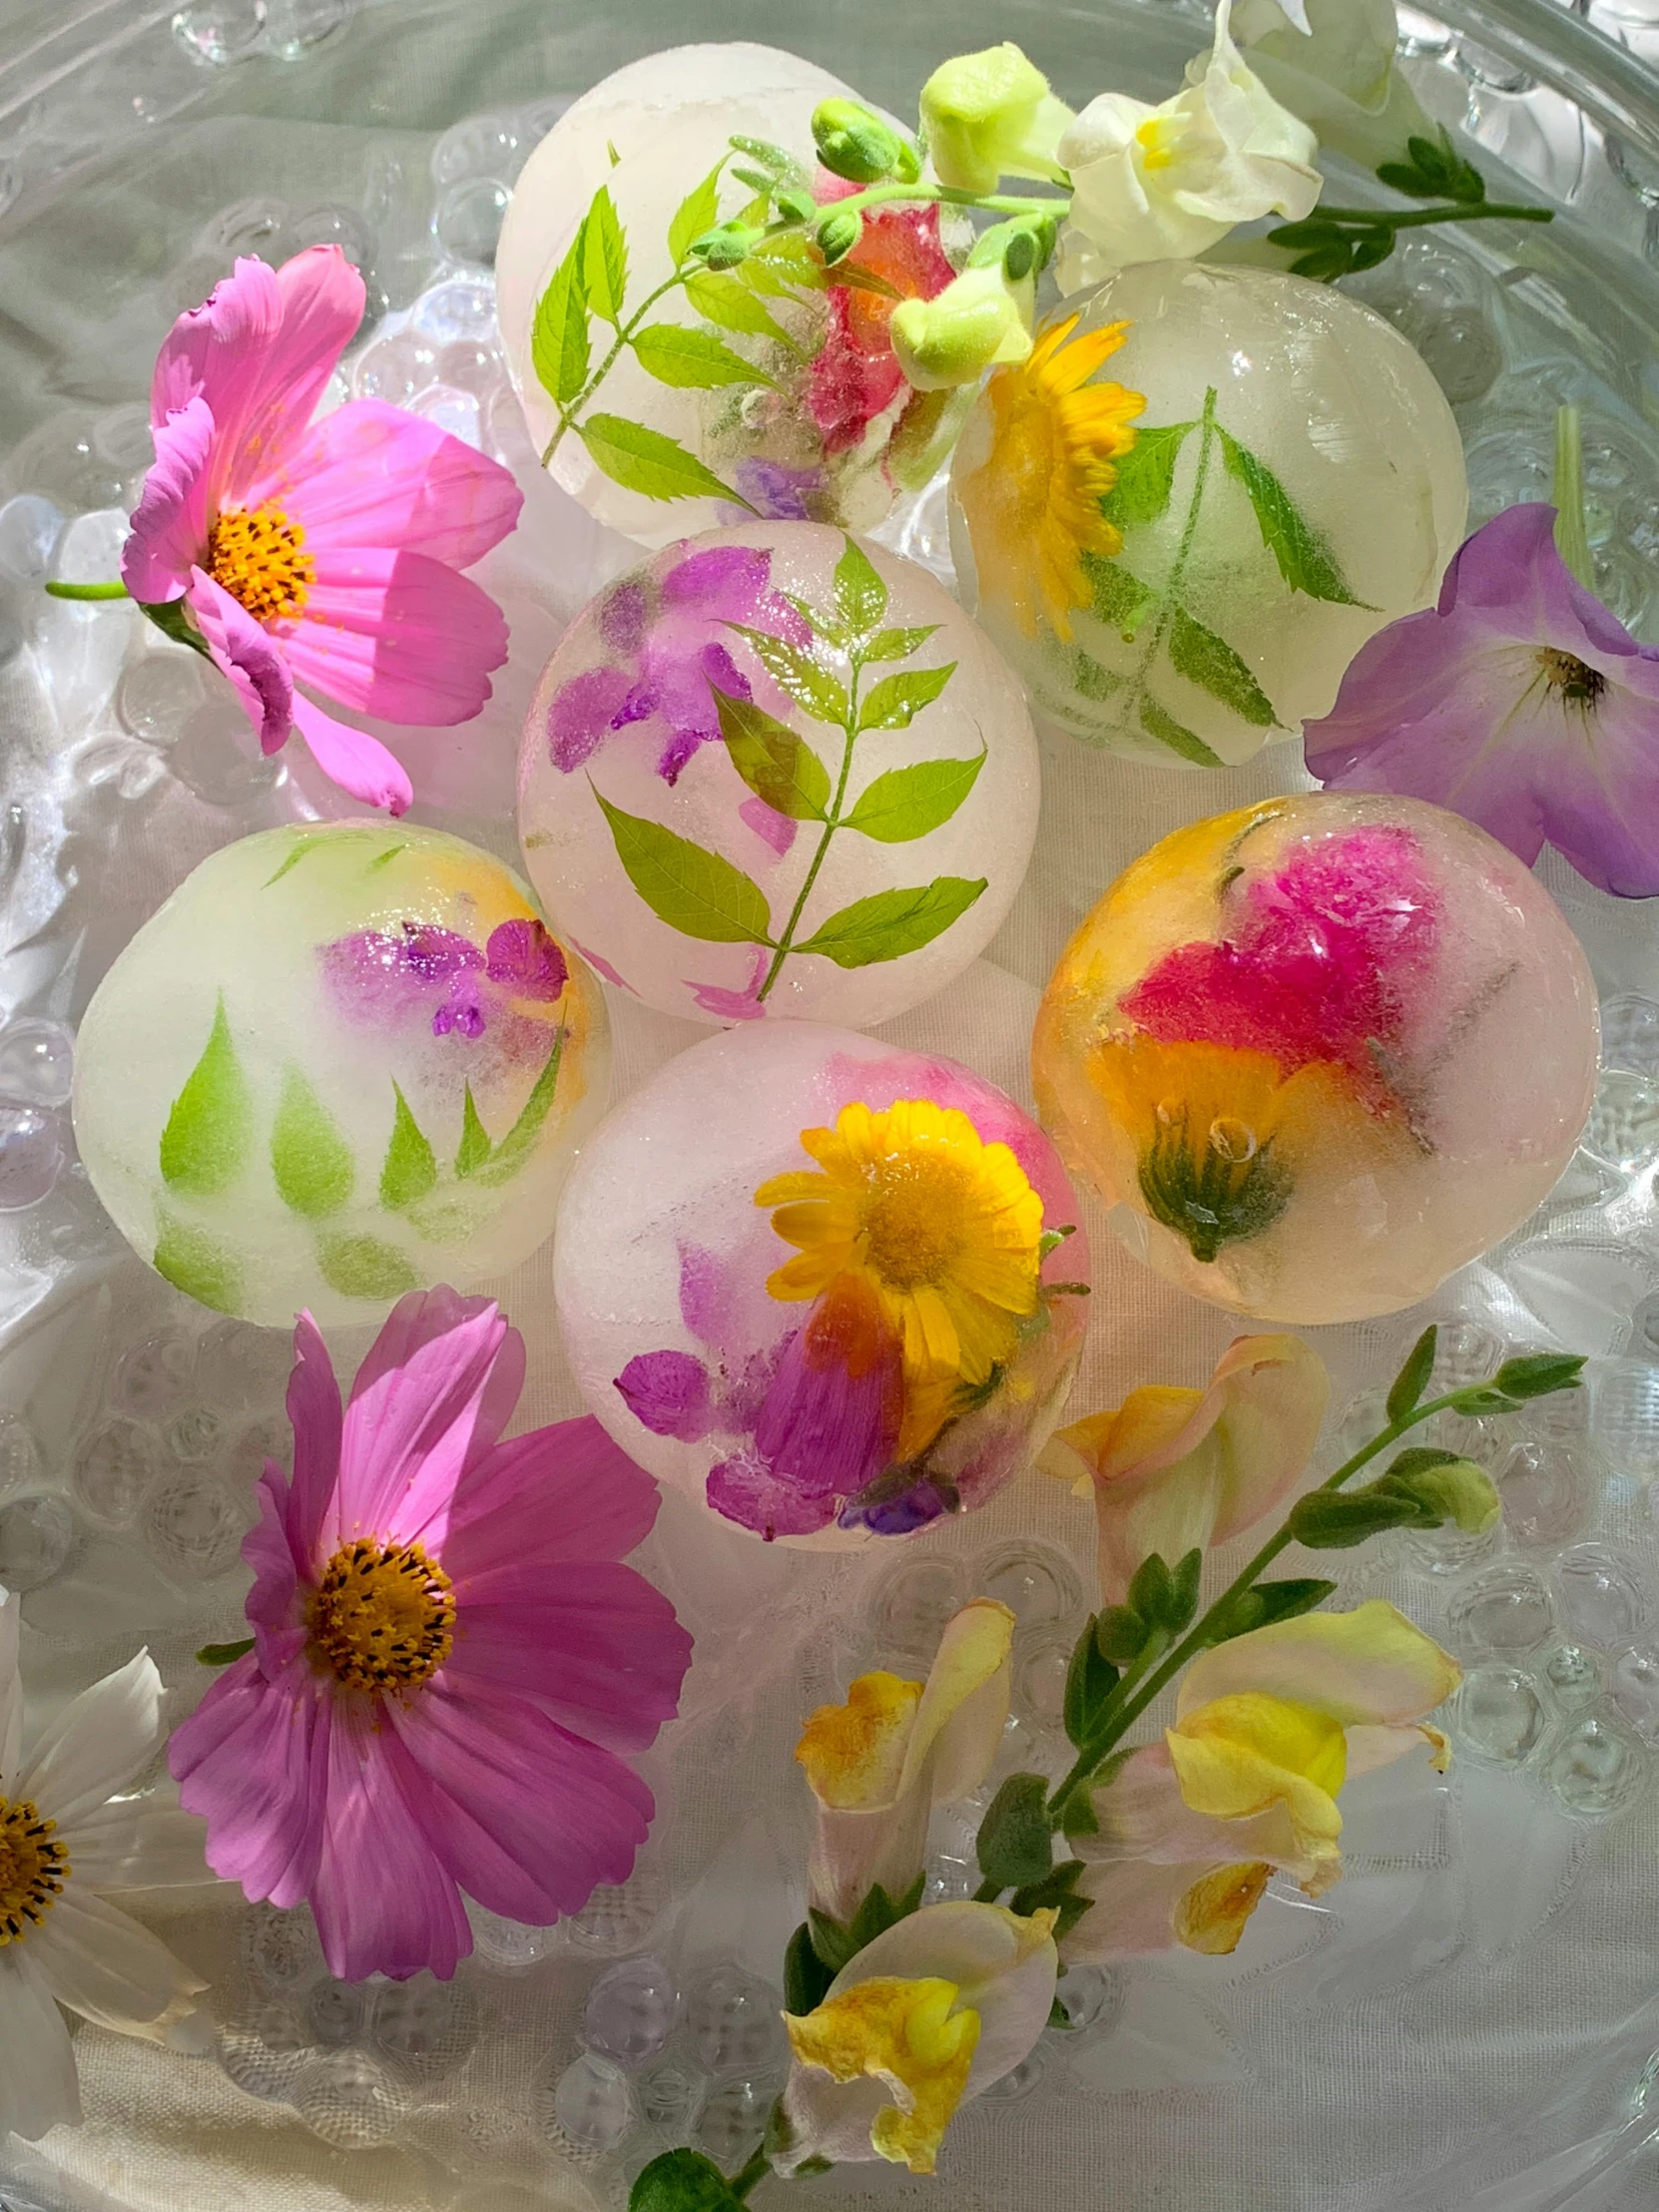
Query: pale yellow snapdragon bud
[{"x": 991, "y": 115}]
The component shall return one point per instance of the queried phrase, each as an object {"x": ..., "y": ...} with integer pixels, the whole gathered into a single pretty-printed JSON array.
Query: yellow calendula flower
[
  {"x": 1033, "y": 506},
  {"x": 943, "y": 1227}
]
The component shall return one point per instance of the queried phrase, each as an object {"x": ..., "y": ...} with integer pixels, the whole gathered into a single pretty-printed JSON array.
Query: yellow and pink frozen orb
[{"x": 1319, "y": 1053}]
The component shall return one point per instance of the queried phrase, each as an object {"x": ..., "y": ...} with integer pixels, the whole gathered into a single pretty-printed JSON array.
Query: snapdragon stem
[
  {"x": 1090, "y": 1758},
  {"x": 1385, "y": 219},
  {"x": 624, "y": 335},
  {"x": 746, "y": 2178}
]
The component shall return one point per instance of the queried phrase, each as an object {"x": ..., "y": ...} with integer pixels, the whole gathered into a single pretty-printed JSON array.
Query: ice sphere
[
  {"x": 781, "y": 390},
  {"x": 1319, "y": 1053},
  {"x": 1295, "y": 481},
  {"x": 344, "y": 1060},
  {"x": 821, "y": 1284},
  {"x": 696, "y": 815}
]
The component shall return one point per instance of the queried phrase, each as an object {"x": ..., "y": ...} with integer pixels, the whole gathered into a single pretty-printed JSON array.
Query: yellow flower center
[
  {"x": 915, "y": 1218},
  {"x": 34, "y": 1865},
  {"x": 1575, "y": 680},
  {"x": 259, "y": 557},
  {"x": 1159, "y": 138},
  {"x": 383, "y": 1618}
]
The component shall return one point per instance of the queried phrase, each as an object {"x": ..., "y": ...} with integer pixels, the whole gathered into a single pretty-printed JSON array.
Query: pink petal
[
  {"x": 252, "y": 1761},
  {"x": 314, "y": 1409},
  {"x": 768, "y": 824},
  {"x": 384, "y": 1902},
  {"x": 243, "y": 651},
  {"x": 561, "y": 1494},
  {"x": 169, "y": 523},
  {"x": 216, "y": 350},
  {"x": 353, "y": 760},
  {"x": 408, "y": 1434},
  {"x": 594, "y": 1645},
  {"x": 373, "y": 474},
  {"x": 272, "y": 1606},
  {"x": 529, "y": 1819},
  {"x": 422, "y": 1317},
  {"x": 322, "y": 304},
  {"x": 398, "y": 635}
]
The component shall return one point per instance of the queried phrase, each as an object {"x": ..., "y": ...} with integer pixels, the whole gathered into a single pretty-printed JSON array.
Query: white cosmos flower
[{"x": 65, "y": 1836}]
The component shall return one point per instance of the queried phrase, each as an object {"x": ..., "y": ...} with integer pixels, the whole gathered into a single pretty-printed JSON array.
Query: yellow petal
[
  {"x": 1240, "y": 1754},
  {"x": 1362, "y": 1668},
  {"x": 908, "y": 2035},
  {"x": 854, "y": 1754},
  {"x": 1216, "y": 1911},
  {"x": 959, "y": 1722},
  {"x": 799, "y": 1183}
]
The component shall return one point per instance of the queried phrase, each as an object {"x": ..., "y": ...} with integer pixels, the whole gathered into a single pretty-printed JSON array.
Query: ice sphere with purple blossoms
[
  {"x": 851, "y": 1307},
  {"x": 777, "y": 771},
  {"x": 345, "y": 1060},
  {"x": 1319, "y": 1053},
  {"x": 669, "y": 394},
  {"x": 1184, "y": 515}
]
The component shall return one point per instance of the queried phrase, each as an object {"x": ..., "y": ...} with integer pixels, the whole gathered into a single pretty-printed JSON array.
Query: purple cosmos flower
[
  {"x": 426, "y": 974},
  {"x": 671, "y": 644},
  {"x": 1519, "y": 702}
]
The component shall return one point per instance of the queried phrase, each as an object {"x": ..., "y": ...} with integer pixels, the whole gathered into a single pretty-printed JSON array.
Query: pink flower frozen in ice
[
  {"x": 322, "y": 554},
  {"x": 449, "y": 1657}
]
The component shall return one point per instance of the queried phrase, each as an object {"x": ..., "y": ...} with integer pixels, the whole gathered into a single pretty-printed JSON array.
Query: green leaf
[
  {"x": 1269, "y": 1602},
  {"x": 854, "y": 277},
  {"x": 775, "y": 765},
  {"x": 208, "y": 1132},
  {"x": 1120, "y": 1634},
  {"x": 807, "y": 1978},
  {"x": 1434, "y": 170},
  {"x": 195, "y": 1263},
  {"x": 559, "y": 351},
  {"x": 1164, "y": 727},
  {"x": 223, "y": 1655},
  {"x": 833, "y": 1944},
  {"x": 313, "y": 1163},
  {"x": 1333, "y": 1520},
  {"x": 1015, "y": 1843},
  {"x": 1121, "y": 601},
  {"x": 1183, "y": 1599},
  {"x": 681, "y": 2181},
  {"x": 474, "y": 1147},
  {"x": 1054, "y": 1890},
  {"x": 411, "y": 1169},
  {"x": 1305, "y": 561},
  {"x": 1406, "y": 1394},
  {"x": 1538, "y": 1374},
  {"x": 1151, "y": 1591},
  {"x": 649, "y": 461},
  {"x": 1146, "y": 475},
  {"x": 691, "y": 359},
  {"x": 907, "y": 802},
  {"x": 892, "y": 924},
  {"x": 878, "y": 1912},
  {"x": 363, "y": 1267},
  {"x": 771, "y": 158},
  {"x": 894, "y": 701},
  {"x": 604, "y": 257},
  {"x": 1093, "y": 680},
  {"x": 697, "y": 212},
  {"x": 725, "y": 299},
  {"x": 693, "y": 891},
  {"x": 860, "y": 596},
  {"x": 1209, "y": 661},
  {"x": 795, "y": 671},
  {"x": 515, "y": 1148},
  {"x": 1090, "y": 1681},
  {"x": 897, "y": 645},
  {"x": 785, "y": 262}
]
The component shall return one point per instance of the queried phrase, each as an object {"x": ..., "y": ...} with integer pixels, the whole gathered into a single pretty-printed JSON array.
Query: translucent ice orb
[
  {"x": 1319, "y": 1053},
  {"x": 833, "y": 1289},
  {"x": 343, "y": 1061},
  {"x": 762, "y": 386},
  {"x": 1295, "y": 481},
  {"x": 775, "y": 771}
]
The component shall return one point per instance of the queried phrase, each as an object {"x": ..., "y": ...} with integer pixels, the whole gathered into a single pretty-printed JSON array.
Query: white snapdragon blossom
[
  {"x": 1165, "y": 183},
  {"x": 1341, "y": 77}
]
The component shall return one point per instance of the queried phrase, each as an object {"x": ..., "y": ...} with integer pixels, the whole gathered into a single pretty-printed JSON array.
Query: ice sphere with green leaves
[
  {"x": 344, "y": 1061},
  {"x": 1295, "y": 482},
  {"x": 776, "y": 771}
]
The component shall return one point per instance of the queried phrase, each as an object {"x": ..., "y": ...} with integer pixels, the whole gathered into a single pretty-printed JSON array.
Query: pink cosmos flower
[
  {"x": 448, "y": 1655},
  {"x": 320, "y": 554}
]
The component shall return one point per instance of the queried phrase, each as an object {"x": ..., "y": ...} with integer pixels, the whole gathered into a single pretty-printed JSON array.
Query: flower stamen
[
  {"x": 383, "y": 1618},
  {"x": 1578, "y": 684},
  {"x": 258, "y": 556},
  {"x": 34, "y": 1865}
]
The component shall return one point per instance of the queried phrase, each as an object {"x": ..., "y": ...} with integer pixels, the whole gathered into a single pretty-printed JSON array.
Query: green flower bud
[
  {"x": 853, "y": 143},
  {"x": 978, "y": 320},
  {"x": 991, "y": 115},
  {"x": 797, "y": 204},
  {"x": 838, "y": 232},
  {"x": 724, "y": 246},
  {"x": 1445, "y": 1488}
]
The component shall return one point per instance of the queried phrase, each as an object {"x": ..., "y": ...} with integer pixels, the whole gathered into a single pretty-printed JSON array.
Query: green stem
[
  {"x": 1000, "y": 203},
  {"x": 1567, "y": 492},
  {"x": 625, "y": 332},
  {"x": 1199, "y": 1635},
  {"x": 88, "y": 591},
  {"x": 833, "y": 823},
  {"x": 987, "y": 1892},
  {"x": 746, "y": 2178},
  {"x": 1416, "y": 218},
  {"x": 1178, "y": 567}
]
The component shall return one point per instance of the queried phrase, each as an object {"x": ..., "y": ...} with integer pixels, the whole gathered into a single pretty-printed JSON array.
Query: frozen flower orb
[
  {"x": 669, "y": 395},
  {"x": 345, "y": 1060},
  {"x": 833, "y": 1290},
  {"x": 1319, "y": 1053},
  {"x": 777, "y": 771},
  {"x": 1184, "y": 515}
]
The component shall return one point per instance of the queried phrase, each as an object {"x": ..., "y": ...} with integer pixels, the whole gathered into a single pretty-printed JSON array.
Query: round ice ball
[
  {"x": 343, "y": 1061},
  {"x": 1295, "y": 481},
  {"x": 771, "y": 388},
  {"x": 775, "y": 770},
  {"x": 1319, "y": 1053},
  {"x": 833, "y": 1289}
]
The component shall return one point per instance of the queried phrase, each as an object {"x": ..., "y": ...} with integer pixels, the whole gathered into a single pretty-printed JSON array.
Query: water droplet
[
  {"x": 36, "y": 1062},
  {"x": 631, "y": 2010},
  {"x": 1499, "y": 1715}
]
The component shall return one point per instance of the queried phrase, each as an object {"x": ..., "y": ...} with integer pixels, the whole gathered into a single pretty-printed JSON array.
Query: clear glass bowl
[{"x": 1466, "y": 2020}]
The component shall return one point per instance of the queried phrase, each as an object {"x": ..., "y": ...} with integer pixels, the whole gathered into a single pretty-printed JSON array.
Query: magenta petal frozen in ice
[{"x": 1519, "y": 702}]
